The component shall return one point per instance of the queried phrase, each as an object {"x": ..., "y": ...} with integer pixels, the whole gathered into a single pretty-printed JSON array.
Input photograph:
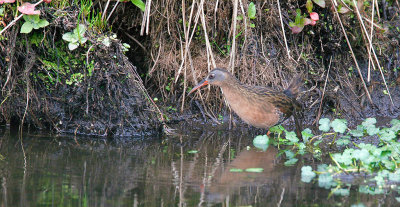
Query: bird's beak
[{"x": 201, "y": 84}]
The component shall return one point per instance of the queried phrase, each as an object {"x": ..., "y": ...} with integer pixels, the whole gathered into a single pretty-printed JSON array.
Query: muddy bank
[{"x": 92, "y": 90}]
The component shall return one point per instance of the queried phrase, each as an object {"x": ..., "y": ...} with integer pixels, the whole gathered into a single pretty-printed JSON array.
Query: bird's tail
[{"x": 294, "y": 87}]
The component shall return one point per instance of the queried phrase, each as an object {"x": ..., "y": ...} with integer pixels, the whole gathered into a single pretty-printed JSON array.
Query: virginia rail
[{"x": 258, "y": 106}]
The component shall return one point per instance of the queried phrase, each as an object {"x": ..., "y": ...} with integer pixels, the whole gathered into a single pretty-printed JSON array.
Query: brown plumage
[{"x": 258, "y": 106}]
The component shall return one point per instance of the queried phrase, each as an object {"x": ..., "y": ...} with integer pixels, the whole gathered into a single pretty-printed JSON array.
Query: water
[{"x": 187, "y": 170}]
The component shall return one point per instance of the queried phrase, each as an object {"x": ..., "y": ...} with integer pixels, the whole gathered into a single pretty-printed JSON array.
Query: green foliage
[
  {"x": 339, "y": 125},
  {"x": 139, "y": 4},
  {"x": 307, "y": 174},
  {"x": 261, "y": 142},
  {"x": 75, "y": 37},
  {"x": 32, "y": 22},
  {"x": 251, "y": 12},
  {"x": 324, "y": 124}
]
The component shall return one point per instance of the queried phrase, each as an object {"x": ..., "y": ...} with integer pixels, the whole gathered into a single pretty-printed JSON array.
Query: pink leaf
[
  {"x": 47, "y": 1},
  {"x": 313, "y": 22},
  {"x": 307, "y": 21},
  {"x": 6, "y": 1},
  {"x": 28, "y": 8},
  {"x": 314, "y": 16},
  {"x": 296, "y": 29}
]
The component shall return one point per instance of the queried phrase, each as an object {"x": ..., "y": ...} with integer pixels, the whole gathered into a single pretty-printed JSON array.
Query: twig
[
  {"x": 208, "y": 45},
  {"x": 113, "y": 9},
  {"x": 373, "y": 51},
  {"x": 323, "y": 92},
  {"x": 352, "y": 54},
  {"x": 370, "y": 61},
  {"x": 233, "y": 50},
  {"x": 105, "y": 10},
  {"x": 283, "y": 30}
]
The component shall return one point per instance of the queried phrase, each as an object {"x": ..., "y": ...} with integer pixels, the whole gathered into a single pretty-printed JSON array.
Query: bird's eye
[{"x": 211, "y": 76}]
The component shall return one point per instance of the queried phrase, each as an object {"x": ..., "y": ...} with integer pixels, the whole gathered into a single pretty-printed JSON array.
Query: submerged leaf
[
  {"x": 254, "y": 169},
  {"x": 235, "y": 170}
]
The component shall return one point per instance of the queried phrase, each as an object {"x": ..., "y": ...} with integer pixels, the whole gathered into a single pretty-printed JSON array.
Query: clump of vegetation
[{"x": 378, "y": 162}]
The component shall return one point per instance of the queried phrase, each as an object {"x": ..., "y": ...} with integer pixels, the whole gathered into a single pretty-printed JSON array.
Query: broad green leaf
[
  {"x": 26, "y": 27},
  {"x": 306, "y": 134},
  {"x": 369, "y": 122},
  {"x": 261, "y": 142},
  {"x": 73, "y": 45},
  {"x": 387, "y": 134},
  {"x": 307, "y": 174},
  {"x": 289, "y": 154},
  {"x": 324, "y": 124},
  {"x": 291, "y": 136},
  {"x": 43, "y": 23},
  {"x": 395, "y": 125},
  {"x": 356, "y": 133},
  {"x": 320, "y": 3},
  {"x": 70, "y": 37},
  {"x": 339, "y": 125},
  {"x": 372, "y": 130},
  {"x": 278, "y": 129},
  {"x": 139, "y": 4},
  {"x": 290, "y": 162},
  {"x": 255, "y": 169},
  {"x": 251, "y": 11},
  {"x": 342, "y": 141},
  {"x": 326, "y": 181},
  {"x": 83, "y": 40},
  {"x": 80, "y": 30}
]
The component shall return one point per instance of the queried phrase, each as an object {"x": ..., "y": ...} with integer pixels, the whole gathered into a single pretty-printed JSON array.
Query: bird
[{"x": 259, "y": 106}]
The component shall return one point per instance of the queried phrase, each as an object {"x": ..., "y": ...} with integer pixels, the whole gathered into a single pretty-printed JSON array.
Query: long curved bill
[{"x": 201, "y": 84}]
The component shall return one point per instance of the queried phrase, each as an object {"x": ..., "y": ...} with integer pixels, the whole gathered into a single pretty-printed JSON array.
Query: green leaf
[
  {"x": 307, "y": 174},
  {"x": 255, "y": 170},
  {"x": 235, "y": 170},
  {"x": 278, "y": 129},
  {"x": 341, "y": 191},
  {"x": 139, "y": 4},
  {"x": 70, "y": 37},
  {"x": 324, "y": 124},
  {"x": 291, "y": 136},
  {"x": 251, "y": 12},
  {"x": 240, "y": 17},
  {"x": 326, "y": 181},
  {"x": 73, "y": 45},
  {"x": 387, "y": 134},
  {"x": 342, "y": 141},
  {"x": 252, "y": 25},
  {"x": 372, "y": 130},
  {"x": 80, "y": 30},
  {"x": 43, "y": 23},
  {"x": 261, "y": 142},
  {"x": 320, "y": 3},
  {"x": 395, "y": 125},
  {"x": 369, "y": 122},
  {"x": 339, "y": 125},
  {"x": 26, "y": 27},
  {"x": 291, "y": 162},
  {"x": 306, "y": 134},
  {"x": 309, "y": 6},
  {"x": 356, "y": 133}
]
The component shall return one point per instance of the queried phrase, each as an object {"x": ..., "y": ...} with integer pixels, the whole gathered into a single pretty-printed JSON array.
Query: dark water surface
[{"x": 187, "y": 170}]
